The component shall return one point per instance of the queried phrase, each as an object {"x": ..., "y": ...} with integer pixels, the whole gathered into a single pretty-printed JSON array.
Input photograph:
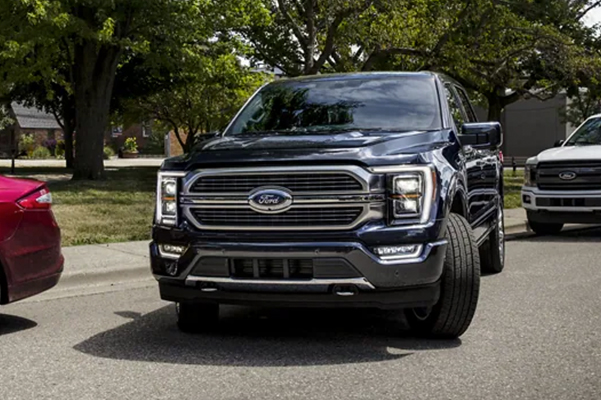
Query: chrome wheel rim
[{"x": 501, "y": 234}]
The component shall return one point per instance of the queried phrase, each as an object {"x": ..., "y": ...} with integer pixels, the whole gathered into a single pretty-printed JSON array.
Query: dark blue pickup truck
[{"x": 356, "y": 190}]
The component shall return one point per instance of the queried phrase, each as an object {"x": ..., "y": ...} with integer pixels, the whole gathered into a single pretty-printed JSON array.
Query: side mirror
[
  {"x": 482, "y": 135},
  {"x": 559, "y": 143}
]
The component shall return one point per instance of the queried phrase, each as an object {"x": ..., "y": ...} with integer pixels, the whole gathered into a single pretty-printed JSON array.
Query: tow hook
[{"x": 345, "y": 290}]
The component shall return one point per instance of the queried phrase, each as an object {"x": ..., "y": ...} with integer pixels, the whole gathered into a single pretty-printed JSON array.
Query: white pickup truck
[{"x": 563, "y": 185}]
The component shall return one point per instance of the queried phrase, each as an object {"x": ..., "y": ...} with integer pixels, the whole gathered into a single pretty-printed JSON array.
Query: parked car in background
[
  {"x": 30, "y": 250},
  {"x": 359, "y": 190},
  {"x": 563, "y": 185}
]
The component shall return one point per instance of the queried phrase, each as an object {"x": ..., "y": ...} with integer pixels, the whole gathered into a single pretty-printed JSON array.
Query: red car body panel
[{"x": 30, "y": 251}]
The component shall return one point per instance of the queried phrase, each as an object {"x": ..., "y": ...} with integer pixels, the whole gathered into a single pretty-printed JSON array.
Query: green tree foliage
[
  {"x": 97, "y": 38},
  {"x": 211, "y": 89},
  {"x": 502, "y": 49}
]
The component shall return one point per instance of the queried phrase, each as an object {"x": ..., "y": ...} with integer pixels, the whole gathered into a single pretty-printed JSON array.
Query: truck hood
[
  {"x": 568, "y": 153},
  {"x": 366, "y": 148}
]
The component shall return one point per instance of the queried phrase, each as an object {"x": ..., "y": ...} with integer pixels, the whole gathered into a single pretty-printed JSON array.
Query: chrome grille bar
[{"x": 323, "y": 197}]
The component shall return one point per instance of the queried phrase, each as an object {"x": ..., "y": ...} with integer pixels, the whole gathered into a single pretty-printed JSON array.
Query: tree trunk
[
  {"x": 311, "y": 35},
  {"x": 68, "y": 116},
  {"x": 190, "y": 141},
  {"x": 495, "y": 108},
  {"x": 94, "y": 80}
]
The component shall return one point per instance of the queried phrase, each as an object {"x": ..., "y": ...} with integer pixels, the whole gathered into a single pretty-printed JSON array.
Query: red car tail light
[{"x": 41, "y": 199}]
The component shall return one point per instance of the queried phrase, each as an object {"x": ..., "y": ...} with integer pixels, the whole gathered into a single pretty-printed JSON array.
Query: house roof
[{"x": 32, "y": 118}]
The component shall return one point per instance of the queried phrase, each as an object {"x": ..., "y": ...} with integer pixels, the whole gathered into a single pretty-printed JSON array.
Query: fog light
[
  {"x": 169, "y": 208},
  {"x": 406, "y": 206},
  {"x": 171, "y": 268},
  {"x": 398, "y": 252},
  {"x": 171, "y": 251},
  {"x": 527, "y": 199}
]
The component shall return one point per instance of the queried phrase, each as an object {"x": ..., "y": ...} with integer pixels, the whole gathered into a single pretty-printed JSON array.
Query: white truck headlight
[
  {"x": 530, "y": 175},
  {"x": 167, "y": 201}
]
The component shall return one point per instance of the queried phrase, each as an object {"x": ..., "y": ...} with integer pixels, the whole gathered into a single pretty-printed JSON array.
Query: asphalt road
[{"x": 536, "y": 335}]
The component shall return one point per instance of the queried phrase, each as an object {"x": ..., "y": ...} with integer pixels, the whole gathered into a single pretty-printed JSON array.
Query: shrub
[
  {"x": 155, "y": 143},
  {"x": 27, "y": 144},
  {"x": 108, "y": 153},
  {"x": 40, "y": 153},
  {"x": 60, "y": 149},
  {"x": 50, "y": 144},
  {"x": 130, "y": 145}
]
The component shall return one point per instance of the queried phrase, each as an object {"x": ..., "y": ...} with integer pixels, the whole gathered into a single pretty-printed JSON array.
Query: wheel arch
[{"x": 456, "y": 199}]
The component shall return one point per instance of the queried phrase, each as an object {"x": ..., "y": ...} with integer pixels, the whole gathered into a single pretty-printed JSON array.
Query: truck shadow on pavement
[
  {"x": 585, "y": 235},
  {"x": 259, "y": 337},
  {"x": 12, "y": 324}
]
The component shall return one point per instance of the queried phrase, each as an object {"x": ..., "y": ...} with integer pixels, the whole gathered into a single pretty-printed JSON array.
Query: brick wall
[
  {"x": 40, "y": 135},
  {"x": 118, "y": 140},
  {"x": 175, "y": 149}
]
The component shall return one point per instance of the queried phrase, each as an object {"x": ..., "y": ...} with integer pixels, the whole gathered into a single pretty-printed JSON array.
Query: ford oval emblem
[
  {"x": 270, "y": 201},
  {"x": 567, "y": 175}
]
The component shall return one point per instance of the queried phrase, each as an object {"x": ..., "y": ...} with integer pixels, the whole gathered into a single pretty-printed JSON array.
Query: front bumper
[
  {"x": 578, "y": 207},
  {"x": 365, "y": 281}
]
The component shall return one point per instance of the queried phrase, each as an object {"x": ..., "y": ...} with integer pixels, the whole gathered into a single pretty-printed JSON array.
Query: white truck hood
[{"x": 569, "y": 153}]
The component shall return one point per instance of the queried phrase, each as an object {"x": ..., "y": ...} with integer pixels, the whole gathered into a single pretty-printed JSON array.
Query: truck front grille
[
  {"x": 588, "y": 175},
  {"x": 271, "y": 268},
  {"x": 295, "y": 182},
  {"x": 275, "y": 268},
  {"x": 295, "y": 217},
  {"x": 320, "y": 197}
]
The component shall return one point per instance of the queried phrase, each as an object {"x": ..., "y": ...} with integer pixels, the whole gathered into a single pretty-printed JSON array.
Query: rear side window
[
  {"x": 467, "y": 106},
  {"x": 456, "y": 110}
]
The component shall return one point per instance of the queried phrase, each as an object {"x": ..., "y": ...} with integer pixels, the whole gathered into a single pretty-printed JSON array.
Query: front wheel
[
  {"x": 459, "y": 290},
  {"x": 542, "y": 228},
  {"x": 492, "y": 252}
]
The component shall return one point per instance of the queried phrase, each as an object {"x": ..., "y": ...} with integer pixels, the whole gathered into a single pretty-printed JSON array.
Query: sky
[{"x": 594, "y": 16}]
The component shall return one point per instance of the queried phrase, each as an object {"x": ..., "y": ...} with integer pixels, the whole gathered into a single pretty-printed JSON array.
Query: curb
[
  {"x": 106, "y": 277},
  {"x": 523, "y": 231}
]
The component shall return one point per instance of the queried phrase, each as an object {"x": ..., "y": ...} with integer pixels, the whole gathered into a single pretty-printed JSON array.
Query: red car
[{"x": 30, "y": 250}]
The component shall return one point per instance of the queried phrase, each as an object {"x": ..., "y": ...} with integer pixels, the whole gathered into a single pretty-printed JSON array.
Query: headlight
[
  {"x": 530, "y": 175},
  {"x": 411, "y": 192},
  {"x": 167, "y": 206},
  {"x": 407, "y": 195}
]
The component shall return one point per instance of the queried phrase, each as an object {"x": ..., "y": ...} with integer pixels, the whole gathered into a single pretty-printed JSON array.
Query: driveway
[{"x": 536, "y": 335}]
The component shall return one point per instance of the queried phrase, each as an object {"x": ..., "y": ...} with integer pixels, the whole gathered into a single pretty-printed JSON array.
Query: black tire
[
  {"x": 492, "y": 252},
  {"x": 459, "y": 290},
  {"x": 196, "y": 318},
  {"x": 543, "y": 229}
]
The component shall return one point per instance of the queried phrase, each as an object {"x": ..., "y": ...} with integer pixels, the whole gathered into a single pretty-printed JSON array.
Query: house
[
  {"x": 28, "y": 120},
  {"x": 116, "y": 136},
  {"x": 531, "y": 126},
  {"x": 44, "y": 126}
]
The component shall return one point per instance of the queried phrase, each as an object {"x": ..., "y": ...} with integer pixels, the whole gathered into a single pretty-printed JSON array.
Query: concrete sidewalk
[{"x": 112, "y": 163}]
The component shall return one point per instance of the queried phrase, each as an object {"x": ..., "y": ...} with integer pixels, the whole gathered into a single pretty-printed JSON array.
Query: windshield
[
  {"x": 589, "y": 134},
  {"x": 396, "y": 104}
]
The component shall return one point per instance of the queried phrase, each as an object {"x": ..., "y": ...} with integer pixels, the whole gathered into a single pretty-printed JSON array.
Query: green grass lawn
[
  {"x": 513, "y": 185},
  {"x": 120, "y": 208}
]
